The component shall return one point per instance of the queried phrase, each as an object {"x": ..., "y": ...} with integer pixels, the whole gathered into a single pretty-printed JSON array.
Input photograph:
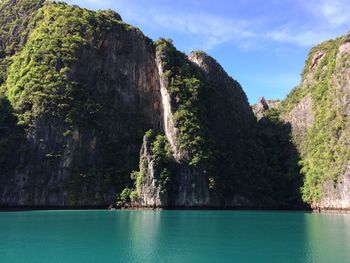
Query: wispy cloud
[
  {"x": 205, "y": 29},
  {"x": 335, "y": 12},
  {"x": 324, "y": 19},
  {"x": 210, "y": 30},
  {"x": 303, "y": 38},
  {"x": 321, "y": 20}
]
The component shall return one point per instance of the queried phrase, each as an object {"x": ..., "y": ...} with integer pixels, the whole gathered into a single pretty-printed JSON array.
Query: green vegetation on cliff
[
  {"x": 324, "y": 148},
  {"x": 38, "y": 80},
  {"x": 16, "y": 23},
  {"x": 241, "y": 159},
  {"x": 292, "y": 99},
  {"x": 162, "y": 158},
  {"x": 63, "y": 99},
  {"x": 160, "y": 153},
  {"x": 186, "y": 88}
]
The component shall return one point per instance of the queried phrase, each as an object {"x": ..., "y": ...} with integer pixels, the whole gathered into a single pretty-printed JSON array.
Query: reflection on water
[
  {"x": 174, "y": 236},
  {"x": 346, "y": 220},
  {"x": 205, "y": 236},
  {"x": 328, "y": 237},
  {"x": 144, "y": 230}
]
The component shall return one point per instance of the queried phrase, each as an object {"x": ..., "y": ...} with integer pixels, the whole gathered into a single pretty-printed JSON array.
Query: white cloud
[
  {"x": 323, "y": 20},
  {"x": 211, "y": 30},
  {"x": 335, "y": 12},
  {"x": 319, "y": 20},
  {"x": 304, "y": 38},
  {"x": 205, "y": 29}
]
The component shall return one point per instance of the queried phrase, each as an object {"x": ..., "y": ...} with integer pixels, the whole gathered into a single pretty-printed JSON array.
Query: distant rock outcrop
[{"x": 263, "y": 105}]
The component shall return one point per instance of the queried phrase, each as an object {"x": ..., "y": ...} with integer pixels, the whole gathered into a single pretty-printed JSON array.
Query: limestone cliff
[
  {"x": 150, "y": 193},
  {"x": 318, "y": 111},
  {"x": 216, "y": 156},
  {"x": 81, "y": 88},
  {"x": 91, "y": 109},
  {"x": 84, "y": 122}
]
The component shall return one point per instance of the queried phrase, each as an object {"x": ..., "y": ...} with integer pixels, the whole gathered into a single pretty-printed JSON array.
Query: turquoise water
[{"x": 173, "y": 236}]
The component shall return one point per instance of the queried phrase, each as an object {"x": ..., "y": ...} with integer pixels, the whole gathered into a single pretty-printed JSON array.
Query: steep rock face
[
  {"x": 231, "y": 123},
  {"x": 209, "y": 141},
  {"x": 151, "y": 194},
  {"x": 83, "y": 154},
  {"x": 318, "y": 111},
  {"x": 301, "y": 118},
  {"x": 230, "y": 92},
  {"x": 336, "y": 196},
  {"x": 169, "y": 128},
  {"x": 189, "y": 184}
]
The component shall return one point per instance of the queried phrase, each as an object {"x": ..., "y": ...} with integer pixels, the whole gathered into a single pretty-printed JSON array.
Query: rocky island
[{"x": 93, "y": 112}]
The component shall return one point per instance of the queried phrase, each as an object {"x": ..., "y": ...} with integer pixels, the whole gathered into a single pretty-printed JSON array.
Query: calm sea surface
[{"x": 173, "y": 236}]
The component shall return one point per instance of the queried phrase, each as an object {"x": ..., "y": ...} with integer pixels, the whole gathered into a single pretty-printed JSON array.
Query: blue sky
[{"x": 261, "y": 43}]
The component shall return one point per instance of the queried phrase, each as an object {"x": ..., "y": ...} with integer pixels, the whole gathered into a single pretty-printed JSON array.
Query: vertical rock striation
[
  {"x": 210, "y": 144},
  {"x": 83, "y": 155}
]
